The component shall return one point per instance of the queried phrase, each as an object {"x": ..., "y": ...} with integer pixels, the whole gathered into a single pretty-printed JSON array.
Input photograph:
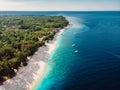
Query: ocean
[{"x": 87, "y": 56}]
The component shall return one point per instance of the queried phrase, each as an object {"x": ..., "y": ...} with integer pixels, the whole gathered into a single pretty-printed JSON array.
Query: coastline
[
  {"x": 27, "y": 77},
  {"x": 51, "y": 46}
]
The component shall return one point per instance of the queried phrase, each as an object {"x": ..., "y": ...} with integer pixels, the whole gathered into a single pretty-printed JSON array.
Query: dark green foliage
[{"x": 20, "y": 37}]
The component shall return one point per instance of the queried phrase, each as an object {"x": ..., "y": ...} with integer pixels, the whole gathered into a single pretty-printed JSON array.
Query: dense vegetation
[{"x": 20, "y": 36}]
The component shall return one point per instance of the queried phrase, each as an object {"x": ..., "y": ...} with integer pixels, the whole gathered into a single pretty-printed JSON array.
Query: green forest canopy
[{"x": 20, "y": 36}]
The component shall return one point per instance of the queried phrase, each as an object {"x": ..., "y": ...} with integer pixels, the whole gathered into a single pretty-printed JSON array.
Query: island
[{"x": 20, "y": 38}]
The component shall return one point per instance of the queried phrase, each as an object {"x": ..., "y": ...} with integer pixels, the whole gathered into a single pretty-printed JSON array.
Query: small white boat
[
  {"x": 76, "y": 51},
  {"x": 73, "y": 45}
]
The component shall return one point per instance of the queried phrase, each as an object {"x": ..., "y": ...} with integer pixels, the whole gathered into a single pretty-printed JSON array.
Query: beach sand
[{"x": 27, "y": 77}]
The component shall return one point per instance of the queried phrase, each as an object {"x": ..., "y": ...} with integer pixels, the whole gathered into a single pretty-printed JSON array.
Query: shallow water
[{"x": 96, "y": 65}]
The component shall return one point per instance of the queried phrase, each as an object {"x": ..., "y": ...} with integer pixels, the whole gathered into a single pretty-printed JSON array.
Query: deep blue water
[{"x": 96, "y": 66}]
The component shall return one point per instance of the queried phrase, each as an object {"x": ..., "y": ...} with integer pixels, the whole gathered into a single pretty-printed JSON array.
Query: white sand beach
[{"x": 28, "y": 76}]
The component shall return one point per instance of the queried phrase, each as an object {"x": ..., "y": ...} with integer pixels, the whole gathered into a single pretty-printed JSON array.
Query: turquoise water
[
  {"x": 58, "y": 61},
  {"x": 96, "y": 65}
]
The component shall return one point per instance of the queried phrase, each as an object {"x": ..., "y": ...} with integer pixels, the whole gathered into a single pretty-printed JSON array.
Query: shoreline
[
  {"x": 51, "y": 47},
  {"x": 27, "y": 77}
]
